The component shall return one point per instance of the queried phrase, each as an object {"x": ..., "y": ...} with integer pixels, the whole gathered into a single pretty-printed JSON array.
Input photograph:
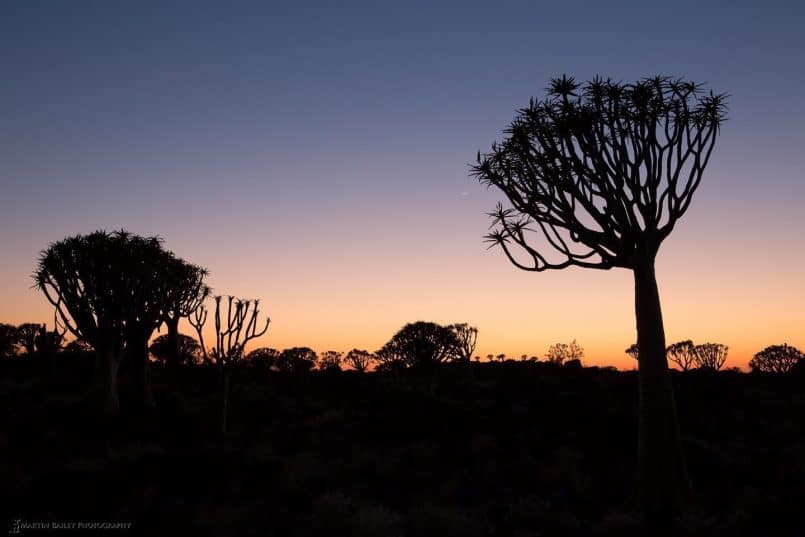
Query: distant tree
[
  {"x": 49, "y": 342},
  {"x": 490, "y": 357},
  {"x": 598, "y": 174},
  {"x": 163, "y": 349},
  {"x": 108, "y": 290},
  {"x": 632, "y": 351},
  {"x": 78, "y": 346},
  {"x": 710, "y": 355},
  {"x": 27, "y": 334},
  {"x": 236, "y": 323},
  {"x": 187, "y": 292},
  {"x": 500, "y": 357},
  {"x": 776, "y": 359},
  {"x": 562, "y": 352},
  {"x": 359, "y": 360},
  {"x": 420, "y": 345},
  {"x": 296, "y": 360},
  {"x": 329, "y": 361},
  {"x": 264, "y": 357},
  {"x": 9, "y": 340},
  {"x": 683, "y": 354},
  {"x": 466, "y": 337}
]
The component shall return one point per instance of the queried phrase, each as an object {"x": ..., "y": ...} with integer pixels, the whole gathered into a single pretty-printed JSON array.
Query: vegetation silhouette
[
  {"x": 597, "y": 175},
  {"x": 422, "y": 345},
  {"x": 109, "y": 290},
  {"x": 710, "y": 356},
  {"x": 187, "y": 292},
  {"x": 329, "y": 361},
  {"x": 178, "y": 350},
  {"x": 780, "y": 359},
  {"x": 683, "y": 354},
  {"x": 296, "y": 360},
  {"x": 235, "y": 325},
  {"x": 560, "y": 353},
  {"x": 360, "y": 360},
  {"x": 262, "y": 357}
]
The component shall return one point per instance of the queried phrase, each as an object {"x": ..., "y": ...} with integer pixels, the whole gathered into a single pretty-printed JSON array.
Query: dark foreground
[{"x": 511, "y": 449}]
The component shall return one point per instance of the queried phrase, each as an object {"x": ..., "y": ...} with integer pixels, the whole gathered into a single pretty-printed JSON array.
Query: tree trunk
[
  {"x": 662, "y": 480},
  {"x": 173, "y": 342},
  {"x": 141, "y": 371},
  {"x": 224, "y": 401},
  {"x": 107, "y": 364}
]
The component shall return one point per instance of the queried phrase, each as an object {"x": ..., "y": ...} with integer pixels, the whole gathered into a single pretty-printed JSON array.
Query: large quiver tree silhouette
[
  {"x": 84, "y": 277},
  {"x": 597, "y": 175}
]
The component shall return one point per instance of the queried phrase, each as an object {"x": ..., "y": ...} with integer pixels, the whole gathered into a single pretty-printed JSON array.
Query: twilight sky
[{"x": 316, "y": 155}]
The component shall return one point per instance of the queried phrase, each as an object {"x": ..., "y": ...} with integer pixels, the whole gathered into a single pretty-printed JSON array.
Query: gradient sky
[{"x": 316, "y": 155}]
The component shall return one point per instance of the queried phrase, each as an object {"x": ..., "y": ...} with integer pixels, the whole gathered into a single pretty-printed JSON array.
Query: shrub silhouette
[
  {"x": 597, "y": 175},
  {"x": 164, "y": 347},
  {"x": 711, "y": 356},
  {"x": 776, "y": 359}
]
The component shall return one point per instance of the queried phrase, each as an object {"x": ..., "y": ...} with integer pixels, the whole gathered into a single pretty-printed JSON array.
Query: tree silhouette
[
  {"x": 149, "y": 289},
  {"x": 108, "y": 290},
  {"x": 9, "y": 340},
  {"x": 329, "y": 361},
  {"x": 163, "y": 348},
  {"x": 359, "y": 360},
  {"x": 710, "y": 355},
  {"x": 683, "y": 354},
  {"x": 296, "y": 360},
  {"x": 235, "y": 325},
  {"x": 27, "y": 334},
  {"x": 776, "y": 359},
  {"x": 564, "y": 352},
  {"x": 421, "y": 345},
  {"x": 466, "y": 337},
  {"x": 264, "y": 357},
  {"x": 597, "y": 175},
  {"x": 187, "y": 293},
  {"x": 632, "y": 351}
]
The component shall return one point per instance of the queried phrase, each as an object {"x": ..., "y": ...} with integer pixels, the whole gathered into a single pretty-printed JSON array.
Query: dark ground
[{"x": 512, "y": 449}]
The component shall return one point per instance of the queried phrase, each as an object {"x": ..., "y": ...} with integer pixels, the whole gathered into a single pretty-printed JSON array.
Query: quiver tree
[
  {"x": 148, "y": 270},
  {"x": 95, "y": 282},
  {"x": 264, "y": 357},
  {"x": 187, "y": 292},
  {"x": 633, "y": 351},
  {"x": 776, "y": 359},
  {"x": 236, "y": 323},
  {"x": 597, "y": 175},
  {"x": 296, "y": 360},
  {"x": 359, "y": 360},
  {"x": 466, "y": 337},
  {"x": 683, "y": 354},
  {"x": 27, "y": 334},
  {"x": 163, "y": 348},
  {"x": 329, "y": 361},
  {"x": 561, "y": 353},
  {"x": 420, "y": 345},
  {"x": 711, "y": 356}
]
